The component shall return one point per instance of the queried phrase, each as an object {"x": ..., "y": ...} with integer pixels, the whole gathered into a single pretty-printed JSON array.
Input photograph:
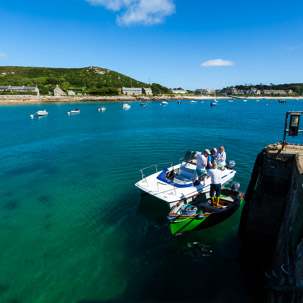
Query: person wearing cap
[
  {"x": 201, "y": 162},
  {"x": 220, "y": 157},
  {"x": 215, "y": 184}
]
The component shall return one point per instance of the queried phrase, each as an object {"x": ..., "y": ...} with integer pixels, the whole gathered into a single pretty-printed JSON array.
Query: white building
[
  {"x": 131, "y": 91},
  {"x": 147, "y": 91},
  {"x": 134, "y": 91},
  {"x": 20, "y": 89},
  {"x": 179, "y": 91},
  {"x": 58, "y": 91},
  {"x": 71, "y": 93}
]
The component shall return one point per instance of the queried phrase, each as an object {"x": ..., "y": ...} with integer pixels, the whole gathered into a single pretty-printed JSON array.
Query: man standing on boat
[
  {"x": 201, "y": 162},
  {"x": 215, "y": 187},
  {"x": 220, "y": 157}
]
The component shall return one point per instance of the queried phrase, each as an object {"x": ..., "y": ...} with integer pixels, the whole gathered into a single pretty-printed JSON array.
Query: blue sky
[{"x": 177, "y": 43}]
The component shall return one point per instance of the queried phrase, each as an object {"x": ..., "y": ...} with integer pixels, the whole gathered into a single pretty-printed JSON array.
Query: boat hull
[
  {"x": 171, "y": 193},
  {"x": 193, "y": 224},
  {"x": 185, "y": 223}
]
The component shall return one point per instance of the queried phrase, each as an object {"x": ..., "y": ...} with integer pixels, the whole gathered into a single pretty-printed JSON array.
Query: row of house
[
  {"x": 133, "y": 91},
  {"x": 251, "y": 91},
  {"x": 128, "y": 91},
  {"x": 20, "y": 89}
]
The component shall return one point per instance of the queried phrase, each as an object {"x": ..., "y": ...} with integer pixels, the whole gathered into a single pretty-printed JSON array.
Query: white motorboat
[
  {"x": 178, "y": 182},
  {"x": 163, "y": 103},
  {"x": 75, "y": 111},
  {"x": 102, "y": 109},
  {"x": 193, "y": 101},
  {"x": 126, "y": 106},
  {"x": 244, "y": 100},
  {"x": 41, "y": 113}
]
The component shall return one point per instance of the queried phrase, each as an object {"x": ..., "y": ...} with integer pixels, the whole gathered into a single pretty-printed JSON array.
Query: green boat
[{"x": 200, "y": 213}]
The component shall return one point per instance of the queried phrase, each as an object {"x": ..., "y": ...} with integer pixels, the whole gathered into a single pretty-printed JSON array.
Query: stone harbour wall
[{"x": 271, "y": 228}]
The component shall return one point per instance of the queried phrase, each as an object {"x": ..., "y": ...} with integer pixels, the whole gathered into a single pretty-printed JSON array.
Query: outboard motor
[
  {"x": 235, "y": 186},
  {"x": 230, "y": 164}
]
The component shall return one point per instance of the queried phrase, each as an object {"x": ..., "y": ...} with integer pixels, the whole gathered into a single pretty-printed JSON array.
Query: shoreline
[{"x": 29, "y": 99}]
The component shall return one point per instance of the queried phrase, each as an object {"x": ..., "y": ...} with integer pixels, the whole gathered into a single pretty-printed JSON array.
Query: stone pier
[{"x": 271, "y": 227}]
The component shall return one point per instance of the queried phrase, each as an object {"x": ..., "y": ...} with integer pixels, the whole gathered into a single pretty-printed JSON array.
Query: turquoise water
[{"x": 73, "y": 228}]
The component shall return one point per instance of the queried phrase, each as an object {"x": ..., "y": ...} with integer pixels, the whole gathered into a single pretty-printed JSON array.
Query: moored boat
[
  {"x": 102, "y": 109},
  {"x": 213, "y": 103},
  {"x": 193, "y": 101},
  {"x": 75, "y": 111},
  {"x": 126, "y": 106},
  {"x": 164, "y": 103},
  {"x": 200, "y": 213},
  {"x": 282, "y": 101},
  {"x": 178, "y": 182},
  {"x": 142, "y": 104},
  {"x": 41, "y": 113}
]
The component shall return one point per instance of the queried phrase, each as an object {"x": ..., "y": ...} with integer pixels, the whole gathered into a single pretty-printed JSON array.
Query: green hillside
[{"x": 90, "y": 80}]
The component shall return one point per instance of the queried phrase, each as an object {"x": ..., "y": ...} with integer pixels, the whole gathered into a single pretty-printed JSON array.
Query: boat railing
[
  {"x": 174, "y": 188},
  {"x": 156, "y": 166}
]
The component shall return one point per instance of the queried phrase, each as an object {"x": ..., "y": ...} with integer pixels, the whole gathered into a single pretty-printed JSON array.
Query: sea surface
[{"x": 74, "y": 228}]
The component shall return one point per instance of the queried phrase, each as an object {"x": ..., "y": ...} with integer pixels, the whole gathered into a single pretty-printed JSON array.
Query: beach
[{"x": 30, "y": 99}]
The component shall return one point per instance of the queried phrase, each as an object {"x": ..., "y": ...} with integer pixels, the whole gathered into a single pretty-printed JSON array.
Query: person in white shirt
[
  {"x": 215, "y": 184},
  {"x": 201, "y": 162},
  {"x": 220, "y": 157}
]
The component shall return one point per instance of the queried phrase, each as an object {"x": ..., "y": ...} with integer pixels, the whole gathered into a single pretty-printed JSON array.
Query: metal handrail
[
  {"x": 156, "y": 166},
  {"x": 143, "y": 177}
]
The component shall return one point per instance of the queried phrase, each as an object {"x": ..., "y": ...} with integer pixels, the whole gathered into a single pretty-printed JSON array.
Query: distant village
[
  {"x": 146, "y": 91},
  {"x": 234, "y": 91}
]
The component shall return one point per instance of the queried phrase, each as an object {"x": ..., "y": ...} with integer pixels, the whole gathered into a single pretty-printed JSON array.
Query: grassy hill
[{"x": 91, "y": 80}]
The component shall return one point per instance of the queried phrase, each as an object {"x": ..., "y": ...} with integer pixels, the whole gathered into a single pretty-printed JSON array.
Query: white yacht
[
  {"x": 178, "y": 182},
  {"x": 164, "y": 103}
]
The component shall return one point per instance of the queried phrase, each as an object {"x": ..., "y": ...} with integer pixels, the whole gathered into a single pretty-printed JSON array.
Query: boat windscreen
[{"x": 189, "y": 155}]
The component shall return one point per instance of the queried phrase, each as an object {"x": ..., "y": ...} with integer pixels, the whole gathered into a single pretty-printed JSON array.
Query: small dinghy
[
  {"x": 41, "y": 113},
  {"x": 163, "y": 103},
  {"x": 200, "y": 213},
  {"x": 102, "y": 109},
  {"x": 75, "y": 111},
  {"x": 193, "y": 101},
  {"x": 126, "y": 106},
  {"x": 213, "y": 104},
  {"x": 142, "y": 104}
]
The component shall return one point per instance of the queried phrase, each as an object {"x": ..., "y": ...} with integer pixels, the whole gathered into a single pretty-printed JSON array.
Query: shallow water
[{"x": 73, "y": 227}]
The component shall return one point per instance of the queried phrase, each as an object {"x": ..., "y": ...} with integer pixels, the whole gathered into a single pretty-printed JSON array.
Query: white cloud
[
  {"x": 217, "y": 62},
  {"x": 114, "y": 5},
  {"x": 3, "y": 55},
  {"x": 144, "y": 12}
]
